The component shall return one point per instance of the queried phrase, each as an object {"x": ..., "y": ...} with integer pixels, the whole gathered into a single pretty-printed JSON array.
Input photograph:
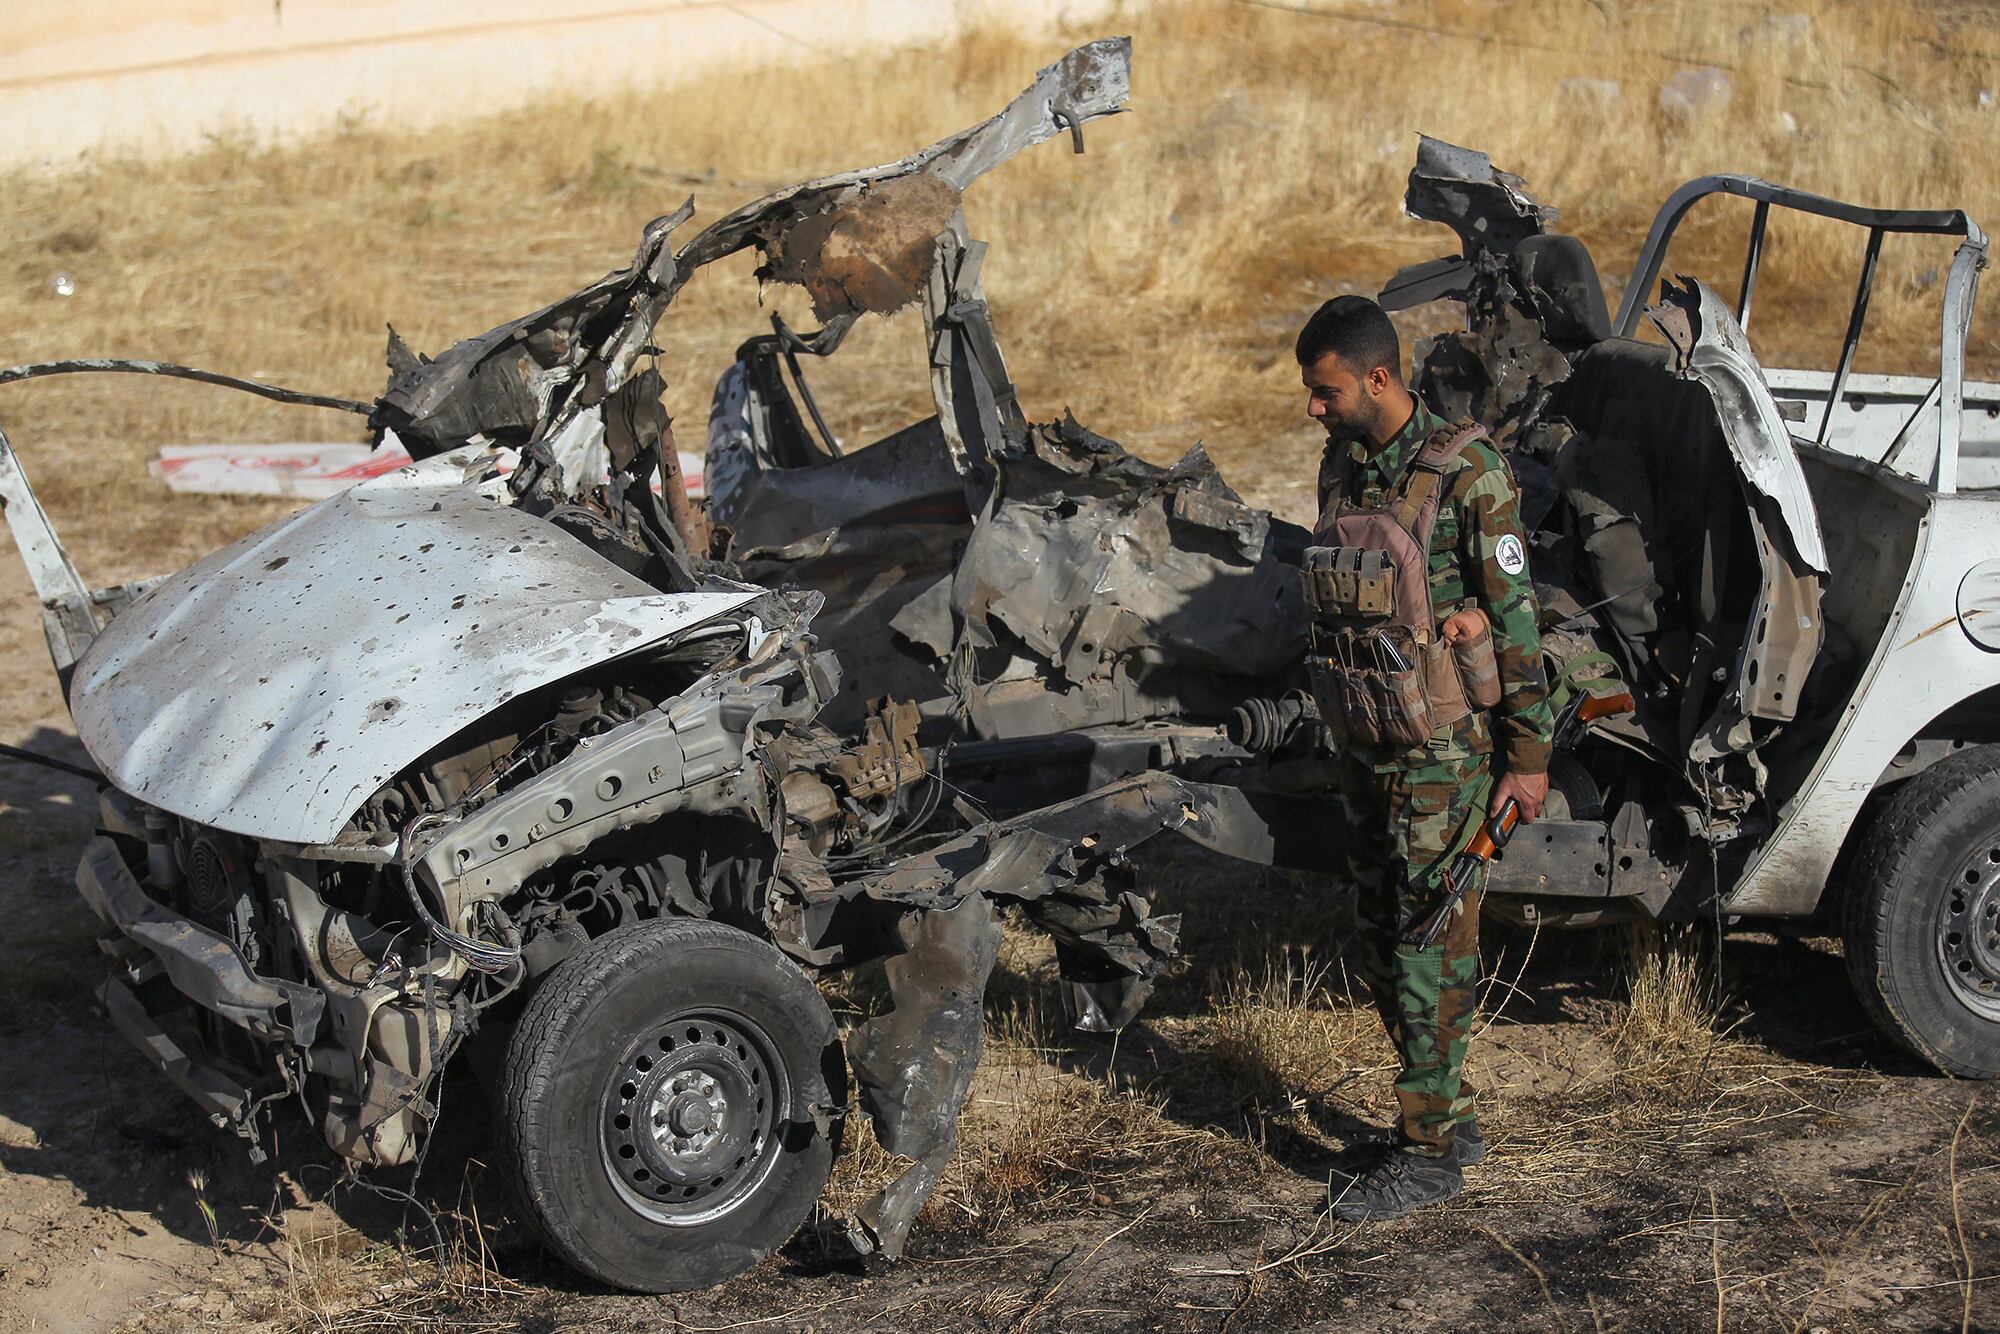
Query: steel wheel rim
[
  {"x": 690, "y": 1117},
  {"x": 1968, "y": 934}
]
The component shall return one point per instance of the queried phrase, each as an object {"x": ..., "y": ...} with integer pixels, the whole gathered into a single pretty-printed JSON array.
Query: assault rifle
[{"x": 1582, "y": 711}]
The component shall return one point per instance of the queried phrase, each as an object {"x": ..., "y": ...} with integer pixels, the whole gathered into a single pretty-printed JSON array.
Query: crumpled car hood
[{"x": 273, "y": 686}]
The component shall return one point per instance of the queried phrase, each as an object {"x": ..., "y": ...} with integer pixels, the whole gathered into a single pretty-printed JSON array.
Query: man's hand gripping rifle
[{"x": 1582, "y": 711}]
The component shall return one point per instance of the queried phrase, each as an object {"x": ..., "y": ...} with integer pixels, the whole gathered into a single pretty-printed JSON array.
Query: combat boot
[
  {"x": 1468, "y": 1143},
  {"x": 1399, "y": 1182},
  {"x": 1468, "y": 1148}
]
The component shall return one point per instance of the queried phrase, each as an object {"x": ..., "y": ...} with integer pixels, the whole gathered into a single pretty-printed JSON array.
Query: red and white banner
[{"x": 302, "y": 471}]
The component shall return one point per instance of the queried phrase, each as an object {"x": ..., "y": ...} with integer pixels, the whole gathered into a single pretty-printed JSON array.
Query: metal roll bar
[{"x": 1961, "y": 287}]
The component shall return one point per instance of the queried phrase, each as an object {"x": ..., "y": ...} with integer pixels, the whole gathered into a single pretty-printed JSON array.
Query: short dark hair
[{"x": 1357, "y": 329}]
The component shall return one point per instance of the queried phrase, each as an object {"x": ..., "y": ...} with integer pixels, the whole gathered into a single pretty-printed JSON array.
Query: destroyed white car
[{"x": 490, "y": 741}]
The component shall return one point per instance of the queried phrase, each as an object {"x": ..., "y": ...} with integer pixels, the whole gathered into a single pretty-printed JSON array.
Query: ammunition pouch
[
  {"x": 1348, "y": 583},
  {"x": 1372, "y": 686},
  {"x": 1383, "y": 686}
]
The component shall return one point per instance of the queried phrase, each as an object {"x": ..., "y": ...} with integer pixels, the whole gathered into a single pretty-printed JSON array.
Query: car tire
[
  {"x": 670, "y": 1105},
  {"x": 1922, "y": 918}
]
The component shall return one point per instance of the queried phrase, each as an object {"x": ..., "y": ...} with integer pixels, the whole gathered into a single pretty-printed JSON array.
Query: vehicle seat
[
  {"x": 1650, "y": 480},
  {"x": 1557, "y": 279}
]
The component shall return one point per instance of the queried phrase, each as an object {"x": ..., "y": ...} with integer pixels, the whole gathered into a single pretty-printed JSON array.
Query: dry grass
[
  {"x": 1657, "y": 1074},
  {"x": 1153, "y": 284},
  {"x": 1657, "y": 1067},
  {"x": 1042, "y": 1130},
  {"x": 318, "y": 1275},
  {"x": 1848, "y": 1277},
  {"x": 342, "y": 1280},
  {"x": 1673, "y": 1006},
  {"x": 1285, "y": 1038},
  {"x": 1041, "y": 1133}
]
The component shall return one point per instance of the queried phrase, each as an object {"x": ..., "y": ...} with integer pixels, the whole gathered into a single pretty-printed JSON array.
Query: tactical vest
[{"x": 1380, "y": 673}]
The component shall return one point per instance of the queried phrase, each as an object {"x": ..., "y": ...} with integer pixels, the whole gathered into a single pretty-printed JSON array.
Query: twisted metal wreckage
[
  {"x": 378, "y": 768},
  {"x": 434, "y": 751}
]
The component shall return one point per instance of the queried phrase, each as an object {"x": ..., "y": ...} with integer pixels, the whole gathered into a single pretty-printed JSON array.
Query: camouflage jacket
[{"x": 1478, "y": 557}]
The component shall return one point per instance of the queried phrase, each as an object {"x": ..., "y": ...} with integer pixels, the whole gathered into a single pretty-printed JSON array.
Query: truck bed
[{"x": 1874, "y": 410}]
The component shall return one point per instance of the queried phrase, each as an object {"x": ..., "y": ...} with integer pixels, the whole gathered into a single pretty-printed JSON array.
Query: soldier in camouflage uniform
[{"x": 1409, "y": 811}]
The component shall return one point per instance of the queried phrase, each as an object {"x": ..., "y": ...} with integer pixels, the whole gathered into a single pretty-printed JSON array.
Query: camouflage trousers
[{"x": 1403, "y": 828}]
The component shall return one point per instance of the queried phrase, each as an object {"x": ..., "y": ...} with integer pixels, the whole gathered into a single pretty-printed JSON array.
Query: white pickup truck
[{"x": 1816, "y": 669}]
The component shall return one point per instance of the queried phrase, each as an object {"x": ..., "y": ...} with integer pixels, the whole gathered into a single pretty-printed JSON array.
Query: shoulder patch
[{"x": 1509, "y": 555}]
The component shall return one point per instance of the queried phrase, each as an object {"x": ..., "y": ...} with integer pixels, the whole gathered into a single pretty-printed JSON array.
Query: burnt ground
[{"x": 1784, "y": 1167}]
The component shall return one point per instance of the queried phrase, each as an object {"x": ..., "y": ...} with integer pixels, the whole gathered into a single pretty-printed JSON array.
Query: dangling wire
[
  {"x": 478, "y": 955},
  {"x": 127, "y": 366}
]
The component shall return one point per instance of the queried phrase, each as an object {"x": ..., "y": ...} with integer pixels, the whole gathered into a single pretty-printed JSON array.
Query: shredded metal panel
[{"x": 269, "y": 688}]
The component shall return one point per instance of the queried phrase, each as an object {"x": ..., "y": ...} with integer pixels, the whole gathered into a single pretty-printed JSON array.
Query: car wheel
[
  {"x": 1923, "y": 915},
  {"x": 670, "y": 1104}
]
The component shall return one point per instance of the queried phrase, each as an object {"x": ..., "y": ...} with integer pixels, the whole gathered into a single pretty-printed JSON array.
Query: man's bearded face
[{"x": 1346, "y": 404}]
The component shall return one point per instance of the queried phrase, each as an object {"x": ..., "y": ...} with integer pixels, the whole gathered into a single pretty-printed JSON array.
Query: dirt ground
[{"x": 1794, "y": 1172}]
